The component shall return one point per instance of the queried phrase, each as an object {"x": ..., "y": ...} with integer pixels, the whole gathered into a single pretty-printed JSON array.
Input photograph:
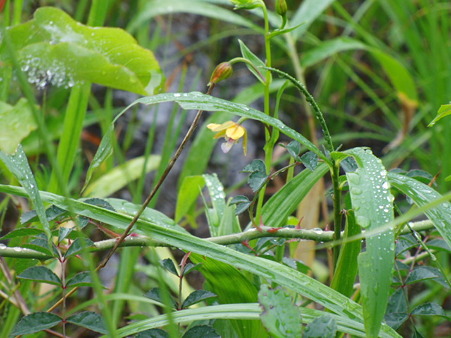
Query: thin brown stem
[{"x": 151, "y": 195}]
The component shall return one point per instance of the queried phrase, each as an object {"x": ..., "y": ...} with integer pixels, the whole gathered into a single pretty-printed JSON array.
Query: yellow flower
[{"x": 232, "y": 132}]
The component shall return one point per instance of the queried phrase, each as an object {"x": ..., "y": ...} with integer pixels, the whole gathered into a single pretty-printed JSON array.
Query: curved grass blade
[
  {"x": 248, "y": 311},
  {"x": 282, "y": 204},
  {"x": 17, "y": 163},
  {"x": 423, "y": 194},
  {"x": 373, "y": 206}
]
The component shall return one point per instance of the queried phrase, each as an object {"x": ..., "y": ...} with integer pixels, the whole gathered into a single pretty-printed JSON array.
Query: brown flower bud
[
  {"x": 222, "y": 71},
  {"x": 281, "y": 7}
]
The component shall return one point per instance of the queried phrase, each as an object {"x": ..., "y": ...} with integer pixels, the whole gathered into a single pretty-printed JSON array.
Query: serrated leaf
[
  {"x": 422, "y": 273},
  {"x": 51, "y": 213},
  {"x": 77, "y": 246},
  {"x": 99, "y": 203},
  {"x": 16, "y": 122},
  {"x": 242, "y": 203},
  {"x": 203, "y": 331},
  {"x": 438, "y": 244},
  {"x": 190, "y": 267},
  {"x": 294, "y": 148},
  {"x": 153, "y": 333},
  {"x": 428, "y": 309},
  {"x": 89, "y": 320},
  {"x": 196, "y": 297},
  {"x": 310, "y": 160},
  {"x": 22, "y": 232},
  {"x": 168, "y": 264},
  {"x": 254, "y": 59},
  {"x": 395, "y": 320},
  {"x": 397, "y": 309},
  {"x": 35, "y": 322},
  {"x": 80, "y": 279},
  {"x": 324, "y": 327},
  {"x": 63, "y": 232},
  {"x": 53, "y": 48},
  {"x": 155, "y": 294},
  {"x": 279, "y": 315},
  {"x": 258, "y": 176},
  {"x": 40, "y": 274}
]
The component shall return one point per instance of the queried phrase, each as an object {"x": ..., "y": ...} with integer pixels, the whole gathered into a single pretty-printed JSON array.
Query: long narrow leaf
[
  {"x": 373, "y": 206},
  {"x": 422, "y": 194}
]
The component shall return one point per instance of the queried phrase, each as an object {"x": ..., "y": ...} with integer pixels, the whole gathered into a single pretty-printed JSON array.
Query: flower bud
[
  {"x": 222, "y": 71},
  {"x": 281, "y": 7}
]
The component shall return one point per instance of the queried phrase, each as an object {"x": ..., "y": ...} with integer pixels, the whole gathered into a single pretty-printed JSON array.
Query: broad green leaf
[
  {"x": 196, "y": 297},
  {"x": 35, "y": 322},
  {"x": 258, "y": 176},
  {"x": 40, "y": 274},
  {"x": 155, "y": 294},
  {"x": 80, "y": 279},
  {"x": 51, "y": 213},
  {"x": 242, "y": 203},
  {"x": 203, "y": 331},
  {"x": 421, "y": 273},
  {"x": 120, "y": 176},
  {"x": 55, "y": 49},
  {"x": 280, "y": 316},
  {"x": 438, "y": 244},
  {"x": 422, "y": 194},
  {"x": 187, "y": 196},
  {"x": 444, "y": 110},
  {"x": 155, "y": 8},
  {"x": 282, "y": 204},
  {"x": 324, "y": 327},
  {"x": 397, "y": 309},
  {"x": 168, "y": 265},
  {"x": 428, "y": 309},
  {"x": 310, "y": 160},
  {"x": 373, "y": 206},
  {"x": 89, "y": 320},
  {"x": 247, "y": 311},
  {"x": 77, "y": 246},
  {"x": 153, "y": 333},
  {"x": 17, "y": 163},
  {"x": 16, "y": 122},
  {"x": 285, "y": 276}
]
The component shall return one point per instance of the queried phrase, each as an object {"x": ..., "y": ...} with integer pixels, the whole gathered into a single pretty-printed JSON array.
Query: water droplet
[{"x": 363, "y": 221}]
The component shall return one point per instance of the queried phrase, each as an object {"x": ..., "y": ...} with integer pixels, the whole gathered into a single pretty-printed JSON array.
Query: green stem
[
  {"x": 289, "y": 233},
  {"x": 70, "y": 139},
  {"x": 269, "y": 146}
]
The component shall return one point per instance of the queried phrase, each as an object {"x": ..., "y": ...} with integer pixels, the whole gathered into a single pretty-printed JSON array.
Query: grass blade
[{"x": 373, "y": 206}]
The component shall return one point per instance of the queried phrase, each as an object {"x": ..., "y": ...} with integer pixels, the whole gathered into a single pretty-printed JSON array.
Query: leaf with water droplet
[{"x": 55, "y": 49}]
